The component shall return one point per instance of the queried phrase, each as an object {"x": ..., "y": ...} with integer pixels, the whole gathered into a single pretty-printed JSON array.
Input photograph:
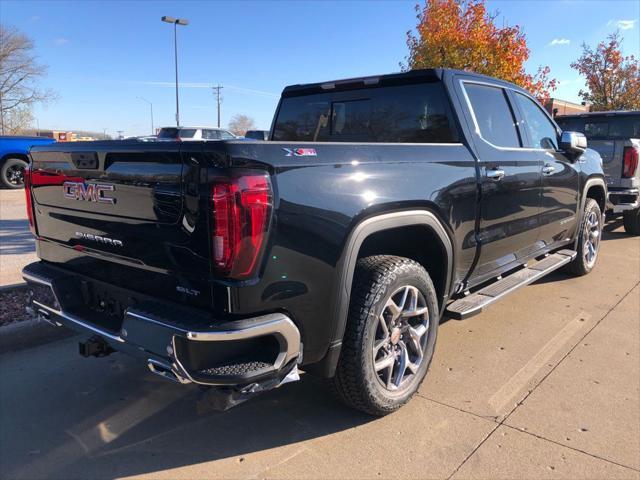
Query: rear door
[
  {"x": 510, "y": 178},
  {"x": 560, "y": 175}
]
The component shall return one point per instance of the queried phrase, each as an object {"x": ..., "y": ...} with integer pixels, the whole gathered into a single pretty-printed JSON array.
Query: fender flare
[
  {"x": 347, "y": 263},
  {"x": 590, "y": 182}
]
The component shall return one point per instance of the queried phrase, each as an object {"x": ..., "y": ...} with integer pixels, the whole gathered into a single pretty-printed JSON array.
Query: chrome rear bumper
[
  {"x": 178, "y": 343},
  {"x": 621, "y": 200}
]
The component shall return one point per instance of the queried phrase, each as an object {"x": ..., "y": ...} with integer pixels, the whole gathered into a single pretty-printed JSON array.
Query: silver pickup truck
[{"x": 616, "y": 137}]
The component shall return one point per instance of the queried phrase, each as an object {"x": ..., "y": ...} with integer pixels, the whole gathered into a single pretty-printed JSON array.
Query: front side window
[
  {"x": 542, "y": 132},
  {"x": 493, "y": 115},
  {"x": 224, "y": 135}
]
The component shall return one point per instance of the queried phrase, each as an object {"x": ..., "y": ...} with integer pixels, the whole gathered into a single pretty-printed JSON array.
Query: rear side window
[
  {"x": 493, "y": 115},
  {"x": 400, "y": 114}
]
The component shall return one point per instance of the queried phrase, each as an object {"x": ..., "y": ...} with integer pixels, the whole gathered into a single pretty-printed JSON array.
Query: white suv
[{"x": 188, "y": 134}]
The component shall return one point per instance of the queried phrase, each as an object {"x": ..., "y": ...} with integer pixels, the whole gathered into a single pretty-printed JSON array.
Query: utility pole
[{"x": 216, "y": 92}]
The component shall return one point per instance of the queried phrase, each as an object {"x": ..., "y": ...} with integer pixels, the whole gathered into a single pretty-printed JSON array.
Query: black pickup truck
[{"x": 378, "y": 206}]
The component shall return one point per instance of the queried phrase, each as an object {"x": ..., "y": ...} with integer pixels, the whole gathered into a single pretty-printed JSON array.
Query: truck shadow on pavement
[
  {"x": 109, "y": 418},
  {"x": 16, "y": 238}
]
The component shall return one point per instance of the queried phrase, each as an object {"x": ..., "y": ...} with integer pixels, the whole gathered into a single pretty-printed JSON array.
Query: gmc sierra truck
[{"x": 378, "y": 206}]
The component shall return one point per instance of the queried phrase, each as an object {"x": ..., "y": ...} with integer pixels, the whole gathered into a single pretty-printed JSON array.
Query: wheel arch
[
  {"x": 19, "y": 156},
  {"x": 594, "y": 188},
  {"x": 597, "y": 191},
  {"x": 383, "y": 226}
]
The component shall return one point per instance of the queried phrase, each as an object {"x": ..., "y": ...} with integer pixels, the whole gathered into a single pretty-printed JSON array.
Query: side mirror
[{"x": 573, "y": 143}]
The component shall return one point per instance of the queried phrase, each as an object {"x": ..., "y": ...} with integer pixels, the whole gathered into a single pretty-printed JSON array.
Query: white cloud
[
  {"x": 61, "y": 41},
  {"x": 560, "y": 41},
  {"x": 622, "y": 24}
]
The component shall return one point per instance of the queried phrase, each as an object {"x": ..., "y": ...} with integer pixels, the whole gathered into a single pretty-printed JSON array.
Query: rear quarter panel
[{"x": 320, "y": 199}]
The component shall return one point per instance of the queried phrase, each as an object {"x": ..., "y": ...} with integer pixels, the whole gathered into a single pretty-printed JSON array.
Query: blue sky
[{"x": 102, "y": 55}]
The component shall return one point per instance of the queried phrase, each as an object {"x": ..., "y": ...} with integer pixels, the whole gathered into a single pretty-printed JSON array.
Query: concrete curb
[{"x": 29, "y": 334}]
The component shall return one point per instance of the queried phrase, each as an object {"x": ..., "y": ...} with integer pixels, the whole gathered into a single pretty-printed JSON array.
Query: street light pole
[
  {"x": 151, "y": 106},
  {"x": 176, "y": 22}
]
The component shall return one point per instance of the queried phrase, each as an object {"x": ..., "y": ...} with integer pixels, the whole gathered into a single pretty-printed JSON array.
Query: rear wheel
[
  {"x": 631, "y": 220},
  {"x": 12, "y": 173},
  {"x": 390, "y": 334},
  {"x": 588, "y": 239}
]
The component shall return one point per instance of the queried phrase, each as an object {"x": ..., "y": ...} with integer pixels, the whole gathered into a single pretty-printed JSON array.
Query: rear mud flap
[{"x": 224, "y": 398}]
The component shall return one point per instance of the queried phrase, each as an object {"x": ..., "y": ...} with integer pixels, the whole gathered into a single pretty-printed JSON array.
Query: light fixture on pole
[
  {"x": 176, "y": 22},
  {"x": 151, "y": 106}
]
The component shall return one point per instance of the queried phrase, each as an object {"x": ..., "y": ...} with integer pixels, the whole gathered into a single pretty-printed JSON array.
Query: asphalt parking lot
[{"x": 545, "y": 384}]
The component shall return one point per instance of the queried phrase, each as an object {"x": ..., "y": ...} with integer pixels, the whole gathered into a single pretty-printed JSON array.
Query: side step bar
[{"x": 474, "y": 303}]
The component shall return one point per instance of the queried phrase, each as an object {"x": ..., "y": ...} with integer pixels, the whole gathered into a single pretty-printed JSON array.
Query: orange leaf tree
[
  {"x": 613, "y": 80},
  {"x": 461, "y": 34}
]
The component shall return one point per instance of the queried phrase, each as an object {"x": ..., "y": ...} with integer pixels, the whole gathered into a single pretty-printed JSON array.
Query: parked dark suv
[{"x": 378, "y": 206}]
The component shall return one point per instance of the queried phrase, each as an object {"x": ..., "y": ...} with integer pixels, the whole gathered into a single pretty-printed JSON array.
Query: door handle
[
  {"x": 495, "y": 174},
  {"x": 548, "y": 169}
]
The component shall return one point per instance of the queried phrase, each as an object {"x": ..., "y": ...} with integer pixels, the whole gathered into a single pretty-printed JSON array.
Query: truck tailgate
[{"x": 101, "y": 203}]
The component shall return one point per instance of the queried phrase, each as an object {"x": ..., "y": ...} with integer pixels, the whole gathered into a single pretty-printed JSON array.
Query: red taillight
[
  {"x": 241, "y": 210},
  {"x": 630, "y": 156},
  {"x": 28, "y": 202}
]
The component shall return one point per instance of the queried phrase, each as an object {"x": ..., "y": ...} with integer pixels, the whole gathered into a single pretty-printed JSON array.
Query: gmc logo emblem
[{"x": 89, "y": 192}]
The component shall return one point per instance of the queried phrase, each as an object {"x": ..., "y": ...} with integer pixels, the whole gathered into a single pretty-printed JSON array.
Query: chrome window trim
[{"x": 475, "y": 120}]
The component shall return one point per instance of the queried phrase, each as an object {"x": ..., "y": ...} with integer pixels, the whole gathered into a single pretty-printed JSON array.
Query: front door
[
  {"x": 510, "y": 177},
  {"x": 559, "y": 214}
]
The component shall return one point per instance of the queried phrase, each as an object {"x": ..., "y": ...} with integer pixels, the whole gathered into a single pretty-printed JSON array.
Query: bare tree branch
[{"x": 19, "y": 76}]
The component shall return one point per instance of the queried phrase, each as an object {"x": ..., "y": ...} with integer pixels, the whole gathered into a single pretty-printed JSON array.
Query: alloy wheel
[
  {"x": 15, "y": 175},
  {"x": 591, "y": 238},
  {"x": 401, "y": 338}
]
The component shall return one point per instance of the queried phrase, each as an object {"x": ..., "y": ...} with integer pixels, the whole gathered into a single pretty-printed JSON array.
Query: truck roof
[
  {"x": 389, "y": 79},
  {"x": 610, "y": 113}
]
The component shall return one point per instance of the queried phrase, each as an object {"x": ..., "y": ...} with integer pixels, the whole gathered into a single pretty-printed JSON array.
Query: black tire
[
  {"x": 631, "y": 220},
  {"x": 378, "y": 279},
  {"x": 582, "y": 264},
  {"x": 12, "y": 173}
]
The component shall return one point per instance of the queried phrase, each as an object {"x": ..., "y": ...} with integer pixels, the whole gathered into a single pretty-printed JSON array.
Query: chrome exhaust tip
[{"x": 165, "y": 371}]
